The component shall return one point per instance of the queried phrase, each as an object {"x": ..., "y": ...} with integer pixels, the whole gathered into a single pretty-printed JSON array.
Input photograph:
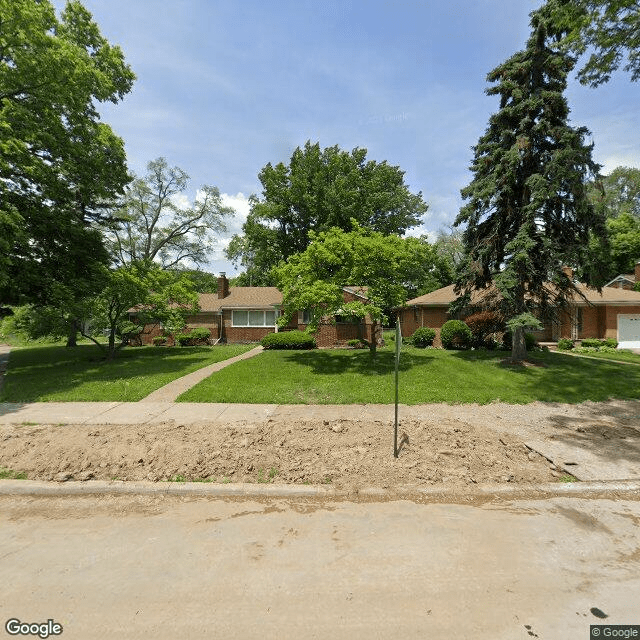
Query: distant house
[
  {"x": 614, "y": 313},
  {"x": 626, "y": 280},
  {"x": 247, "y": 314}
]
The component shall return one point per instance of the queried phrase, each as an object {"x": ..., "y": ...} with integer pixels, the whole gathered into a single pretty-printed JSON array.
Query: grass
[
  {"x": 55, "y": 373},
  {"x": 8, "y": 474},
  {"x": 426, "y": 375},
  {"x": 621, "y": 355}
]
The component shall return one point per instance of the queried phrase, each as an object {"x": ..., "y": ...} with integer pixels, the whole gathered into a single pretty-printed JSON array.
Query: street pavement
[{"x": 168, "y": 567}]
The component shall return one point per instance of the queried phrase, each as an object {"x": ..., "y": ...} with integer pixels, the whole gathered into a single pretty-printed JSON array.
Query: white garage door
[{"x": 628, "y": 331}]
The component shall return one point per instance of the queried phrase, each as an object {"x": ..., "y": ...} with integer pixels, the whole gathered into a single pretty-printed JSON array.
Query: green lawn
[
  {"x": 621, "y": 355},
  {"x": 431, "y": 375},
  {"x": 55, "y": 373}
]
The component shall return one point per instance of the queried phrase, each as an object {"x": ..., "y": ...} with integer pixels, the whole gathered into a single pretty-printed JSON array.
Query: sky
[{"x": 224, "y": 87}]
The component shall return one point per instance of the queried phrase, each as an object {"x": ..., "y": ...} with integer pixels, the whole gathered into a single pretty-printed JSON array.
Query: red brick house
[
  {"x": 247, "y": 314},
  {"x": 614, "y": 313}
]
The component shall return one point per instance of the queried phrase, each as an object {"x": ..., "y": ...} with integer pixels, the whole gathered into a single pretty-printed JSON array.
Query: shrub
[
  {"x": 357, "y": 343},
  {"x": 487, "y": 328},
  {"x": 591, "y": 342},
  {"x": 564, "y": 344},
  {"x": 195, "y": 336},
  {"x": 612, "y": 343},
  {"x": 288, "y": 340},
  {"x": 183, "y": 339},
  {"x": 530, "y": 341},
  {"x": 455, "y": 334},
  {"x": 423, "y": 337},
  {"x": 159, "y": 340}
]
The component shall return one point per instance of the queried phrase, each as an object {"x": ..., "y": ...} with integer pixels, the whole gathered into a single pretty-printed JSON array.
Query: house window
[
  {"x": 305, "y": 316},
  {"x": 253, "y": 318}
]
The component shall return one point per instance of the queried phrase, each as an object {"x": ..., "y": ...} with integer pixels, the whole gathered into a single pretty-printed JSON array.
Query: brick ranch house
[
  {"x": 247, "y": 314},
  {"x": 614, "y": 313}
]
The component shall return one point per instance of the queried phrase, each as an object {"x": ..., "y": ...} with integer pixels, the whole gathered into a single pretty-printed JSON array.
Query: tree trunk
[
  {"x": 111, "y": 351},
  {"x": 72, "y": 336},
  {"x": 519, "y": 346},
  {"x": 373, "y": 343}
]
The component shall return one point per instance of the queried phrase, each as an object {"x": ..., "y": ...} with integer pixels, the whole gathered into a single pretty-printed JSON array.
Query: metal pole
[{"x": 398, "y": 347}]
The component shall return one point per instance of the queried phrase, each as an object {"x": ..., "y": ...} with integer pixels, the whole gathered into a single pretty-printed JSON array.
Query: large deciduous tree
[
  {"x": 320, "y": 189},
  {"x": 155, "y": 224},
  {"x": 314, "y": 278},
  {"x": 59, "y": 165},
  {"x": 528, "y": 213},
  {"x": 608, "y": 29}
]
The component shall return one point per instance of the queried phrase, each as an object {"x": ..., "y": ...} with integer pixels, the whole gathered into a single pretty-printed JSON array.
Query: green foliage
[
  {"x": 530, "y": 341},
  {"x": 591, "y": 342},
  {"x": 527, "y": 211},
  {"x": 157, "y": 296},
  {"x": 564, "y": 344},
  {"x": 357, "y": 343},
  {"x": 153, "y": 228},
  {"x": 159, "y": 340},
  {"x": 196, "y": 336},
  {"x": 315, "y": 278},
  {"x": 423, "y": 337},
  {"x": 59, "y": 164},
  {"x": 288, "y": 340},
  {"x": 609, "y": 29},
  {"x": 318, "y": 190},
  {"x": 455, "y": 334}
]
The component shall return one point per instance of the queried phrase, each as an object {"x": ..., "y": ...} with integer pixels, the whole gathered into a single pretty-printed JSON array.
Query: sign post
[{"x": 398, "y": 348}]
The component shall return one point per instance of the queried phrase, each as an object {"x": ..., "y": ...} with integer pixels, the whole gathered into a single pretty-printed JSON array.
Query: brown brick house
[
  {"x": 247, "y": 314},
  {"x": 614, "y": 313},
  {"x": 626, "y": 280}
]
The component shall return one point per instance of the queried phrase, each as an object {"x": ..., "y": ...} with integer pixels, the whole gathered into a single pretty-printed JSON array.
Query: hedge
[
  {"x": 423, "y": 337},
  {"x": 288, "y": 340}
]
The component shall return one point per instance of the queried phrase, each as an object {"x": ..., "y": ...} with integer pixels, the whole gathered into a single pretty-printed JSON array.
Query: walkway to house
[{"x": 171, "y": 391}]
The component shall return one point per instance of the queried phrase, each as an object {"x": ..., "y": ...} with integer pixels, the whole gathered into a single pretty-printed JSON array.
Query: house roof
[
  {"x": 629, "y": 277},
  {"x": 241, "y": 298},
  {"x": 610, "y": 295}
]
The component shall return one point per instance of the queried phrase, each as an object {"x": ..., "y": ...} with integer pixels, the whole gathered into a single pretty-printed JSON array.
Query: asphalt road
[{"x": 174, "y": 567}]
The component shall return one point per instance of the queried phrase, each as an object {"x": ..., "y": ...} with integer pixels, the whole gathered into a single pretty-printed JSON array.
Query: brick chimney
[
  {"x": 637, "y": 271},
  {"x": 568, "y": 271},
  {"x": 223, "y": 285}
]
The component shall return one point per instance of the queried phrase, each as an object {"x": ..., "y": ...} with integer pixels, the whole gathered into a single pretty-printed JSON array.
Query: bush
[
  {"x": 357, "y": 343},
  {"x": 455, "y": 334},
  {"x": 159, "y": 340},
  {"x": 487, "y": 328},
  {"x": 423, "y": 337},
  {"x": 183, "y": 339},
  {"x": 288, "y": 340},
  {"x": 591, "y": 342},
  {"x": 564, "y": 344},
  {"x": 612, "y": 343},
  {"x": 194, "y": 337},
  {"x": 530, "y": 341}
]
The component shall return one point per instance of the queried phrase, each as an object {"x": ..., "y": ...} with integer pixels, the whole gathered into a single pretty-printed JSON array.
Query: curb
[{"x": 616, "y": 488}]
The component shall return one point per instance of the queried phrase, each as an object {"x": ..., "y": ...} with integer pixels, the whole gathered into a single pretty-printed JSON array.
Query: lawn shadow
[
  {"x": 38, "y": 372},
  {"x": 567, "y": 380},
  {"x": 328, "y": 362}
]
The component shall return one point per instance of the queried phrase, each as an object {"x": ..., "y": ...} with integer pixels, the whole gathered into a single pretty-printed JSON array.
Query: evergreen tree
[{"x": 527, "y": 211}]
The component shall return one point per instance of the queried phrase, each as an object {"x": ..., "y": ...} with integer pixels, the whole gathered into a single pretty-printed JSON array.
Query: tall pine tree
[{"x": 527, "y": 211}]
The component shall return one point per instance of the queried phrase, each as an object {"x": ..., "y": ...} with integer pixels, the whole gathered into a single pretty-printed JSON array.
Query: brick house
[
  {"x": 626, "y": 280},
  {"x": 614, "y": 313},
  {"x": 247, "y": 314}
]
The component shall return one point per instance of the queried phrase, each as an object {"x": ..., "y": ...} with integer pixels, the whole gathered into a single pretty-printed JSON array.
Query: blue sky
[{"x": 226, "y": 86}]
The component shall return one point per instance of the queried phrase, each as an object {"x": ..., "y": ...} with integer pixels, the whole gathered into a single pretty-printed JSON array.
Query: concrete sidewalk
[{"x": 171, "y": 391}]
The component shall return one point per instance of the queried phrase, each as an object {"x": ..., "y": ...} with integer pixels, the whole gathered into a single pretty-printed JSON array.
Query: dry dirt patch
[{"x": 348, "y": 454}]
